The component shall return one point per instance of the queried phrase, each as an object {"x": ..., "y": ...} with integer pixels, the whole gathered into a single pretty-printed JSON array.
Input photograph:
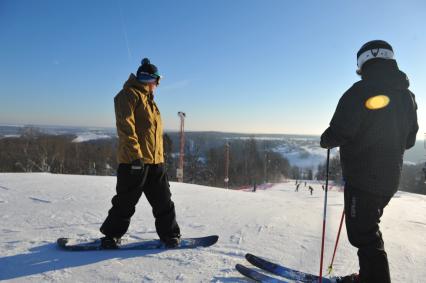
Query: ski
[
  {"x": 95, "y": 245},
  {"x": 257, "y": 276},
  {"x": 286, "y": 272}
]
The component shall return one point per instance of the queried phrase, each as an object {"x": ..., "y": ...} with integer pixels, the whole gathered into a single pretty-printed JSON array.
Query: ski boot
[
  {"x": 110, "y": 243},
  {"x": 353, "y": 278},
  {"x": 171, "y": 242}
]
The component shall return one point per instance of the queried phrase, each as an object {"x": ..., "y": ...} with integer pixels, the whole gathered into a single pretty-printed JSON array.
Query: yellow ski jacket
[{"x": 139, "y": 125}]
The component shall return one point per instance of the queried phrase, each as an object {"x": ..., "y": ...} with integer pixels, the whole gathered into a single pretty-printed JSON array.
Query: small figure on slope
[{"x": 297, "y": 187}]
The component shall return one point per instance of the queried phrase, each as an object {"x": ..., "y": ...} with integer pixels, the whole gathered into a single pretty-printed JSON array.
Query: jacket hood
[
  {"x": 385, "y": 72},
  {"x": 133, "y": 82}
]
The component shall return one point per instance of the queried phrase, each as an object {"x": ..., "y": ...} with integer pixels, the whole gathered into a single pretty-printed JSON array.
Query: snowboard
[{"x": 95, "y": 245}]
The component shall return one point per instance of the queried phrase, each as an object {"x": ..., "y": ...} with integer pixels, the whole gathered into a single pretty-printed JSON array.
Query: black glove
[
  {"x": 137, "y": 167},
  {"x": 324, "y": 144},
  {"x": 328, "y": 139}
]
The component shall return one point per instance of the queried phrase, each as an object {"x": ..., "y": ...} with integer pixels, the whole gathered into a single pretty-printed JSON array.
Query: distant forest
[
  {"x": 251, "y": 162},
  {"x": 412, "y": 177}
]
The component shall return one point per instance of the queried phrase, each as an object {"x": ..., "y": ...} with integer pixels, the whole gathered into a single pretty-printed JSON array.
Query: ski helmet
[
  {"x": 148, "y": 73},
  {"x": 375, "y": 49}
]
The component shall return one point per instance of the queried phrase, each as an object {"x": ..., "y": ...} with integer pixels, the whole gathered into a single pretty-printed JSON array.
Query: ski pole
[
  {"x": 330, "y": 267},
  {"x": 325, "y": 215}
]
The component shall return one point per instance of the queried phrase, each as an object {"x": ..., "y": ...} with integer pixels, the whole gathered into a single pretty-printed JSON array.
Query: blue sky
[{"x": 239, "y": 66}]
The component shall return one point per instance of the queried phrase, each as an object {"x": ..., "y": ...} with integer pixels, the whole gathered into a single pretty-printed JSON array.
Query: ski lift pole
[
  {"x": 324, "y": 215},
  {"x": 330, "y": 267}
]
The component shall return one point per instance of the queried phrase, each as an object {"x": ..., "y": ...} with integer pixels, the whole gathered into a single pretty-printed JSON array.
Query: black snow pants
[
  {"x": 363, "y": 211},
  {"x": 129, "y": 189}
]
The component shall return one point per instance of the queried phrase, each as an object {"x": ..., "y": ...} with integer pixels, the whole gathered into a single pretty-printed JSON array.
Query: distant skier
[
  {"x": 311, "y": 189},
  {"x": 297, "y": 187},
  {"x": 305, "y": 184},
  {"x": 141, "y": 161},
  {"x": 375, "y": 121},
  {"x": 323, "y": 188}
]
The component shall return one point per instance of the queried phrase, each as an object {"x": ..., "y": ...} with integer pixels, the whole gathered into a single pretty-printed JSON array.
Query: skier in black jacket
[{"x": 374, "y": 123}]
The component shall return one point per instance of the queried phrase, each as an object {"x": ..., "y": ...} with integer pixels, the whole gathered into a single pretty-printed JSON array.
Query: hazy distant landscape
[
  {"x": 301, "y": 150},
  {"x": 254, "y": 159}
]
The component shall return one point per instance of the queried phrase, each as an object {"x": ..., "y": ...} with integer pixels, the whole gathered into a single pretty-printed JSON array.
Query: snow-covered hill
[{"x": 277, "y": 223}]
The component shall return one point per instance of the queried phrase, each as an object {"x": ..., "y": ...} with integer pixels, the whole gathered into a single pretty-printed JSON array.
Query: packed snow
[{"x": 275, "y": 222}]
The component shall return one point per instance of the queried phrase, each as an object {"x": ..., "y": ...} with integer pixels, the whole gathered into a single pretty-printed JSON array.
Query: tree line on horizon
[
  {"x": 35, "y": 151},
  {"x": 413, "y": 177},
  {"x": 251, "y": 162}
]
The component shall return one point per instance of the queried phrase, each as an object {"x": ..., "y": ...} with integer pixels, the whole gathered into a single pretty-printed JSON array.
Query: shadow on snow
[{"x": 49, "y": 257}]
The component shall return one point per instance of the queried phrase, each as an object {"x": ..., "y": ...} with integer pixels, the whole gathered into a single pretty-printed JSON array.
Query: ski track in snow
[
  {"x": 7, "y": 231},
  {"x": 277, "y": 224},
  {"x": 39, "y": 200},
  {"x": 237, "y": 239},
  {"x": 417, "y": 222}
]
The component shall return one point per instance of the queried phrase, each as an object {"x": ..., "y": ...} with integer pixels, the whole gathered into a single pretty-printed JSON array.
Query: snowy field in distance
[
  {"x": 85, "y": 137},
  {"x": 277, "y": 223}
]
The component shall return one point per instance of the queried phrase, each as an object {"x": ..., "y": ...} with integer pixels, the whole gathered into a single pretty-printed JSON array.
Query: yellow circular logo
[{"x": 377, "y": 102}]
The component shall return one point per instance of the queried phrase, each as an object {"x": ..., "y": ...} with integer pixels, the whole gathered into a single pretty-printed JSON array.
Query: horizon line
[
  {"x": 170, "y": 130},
  {"x": 165, "y": 130}
]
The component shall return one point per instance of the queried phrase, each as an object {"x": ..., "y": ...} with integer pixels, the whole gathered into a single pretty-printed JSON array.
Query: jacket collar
[
  {"x": 133, "y": 83},
  {"x": 385, "y": 72}
]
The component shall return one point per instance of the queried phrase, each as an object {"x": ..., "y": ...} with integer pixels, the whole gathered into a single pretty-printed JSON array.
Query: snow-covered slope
[{"x": 277, "y": 223}]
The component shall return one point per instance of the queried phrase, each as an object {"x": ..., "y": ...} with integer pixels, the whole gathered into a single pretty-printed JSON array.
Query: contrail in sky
[{"x": 124, "y": 31}]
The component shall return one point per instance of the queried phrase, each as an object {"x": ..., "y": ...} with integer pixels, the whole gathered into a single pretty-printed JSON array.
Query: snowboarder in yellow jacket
[{"x": 141, "y": 160}]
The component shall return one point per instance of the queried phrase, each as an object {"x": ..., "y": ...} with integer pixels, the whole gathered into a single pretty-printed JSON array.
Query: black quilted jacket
[{"x": 374, "y": 123}]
